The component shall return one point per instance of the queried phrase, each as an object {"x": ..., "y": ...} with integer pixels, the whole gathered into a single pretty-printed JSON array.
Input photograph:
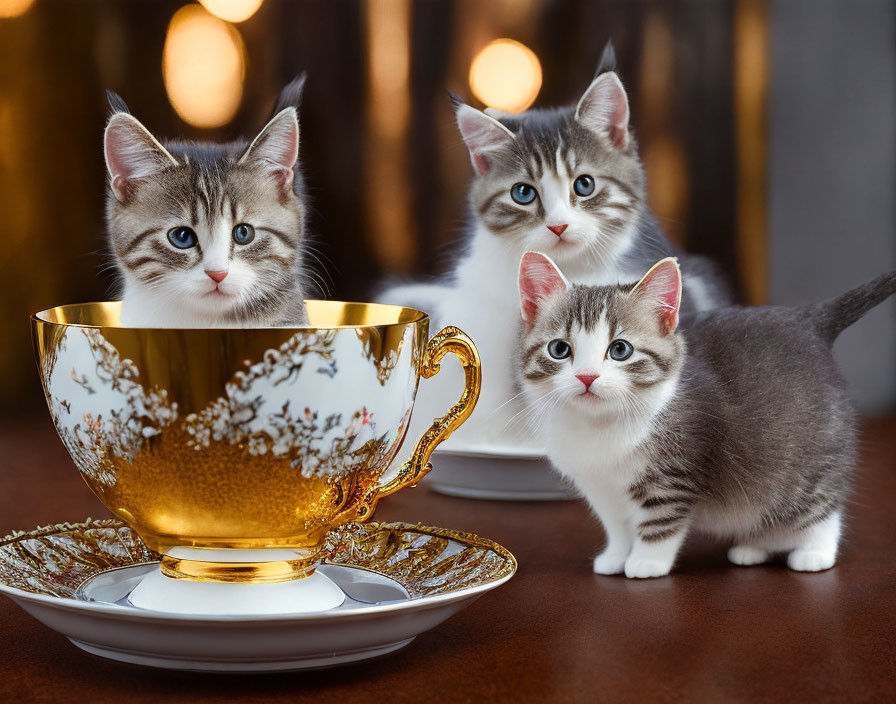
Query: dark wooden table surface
[{"x": 556, "y": 632}]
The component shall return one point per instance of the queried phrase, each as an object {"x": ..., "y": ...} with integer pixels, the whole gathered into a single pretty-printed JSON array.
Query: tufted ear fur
[
  {"x": 539, "y": 278},
  {"x": 291, "y": 95},
  {"x": 607, "y": 61},
  {"x": 661, "y": 288},
  {"x": 116, "y": 103}
]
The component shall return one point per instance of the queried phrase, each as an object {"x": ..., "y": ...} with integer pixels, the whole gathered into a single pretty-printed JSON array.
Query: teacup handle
[{"x": 448, "y": 339}]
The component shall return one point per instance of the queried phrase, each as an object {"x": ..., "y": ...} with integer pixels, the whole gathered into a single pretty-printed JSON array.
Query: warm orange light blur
[
  {"x": 203, "y": 67},
  {"x": 506, "y": 75},
  {"x": 388, "y": 23},
  {"x": 232, "y": 10},
  {"x": 14, "y": 8},
  {"x": 662, "y": 150},
  {"x": 751, "y": 70},
  {"x": 388, "y": 189}
]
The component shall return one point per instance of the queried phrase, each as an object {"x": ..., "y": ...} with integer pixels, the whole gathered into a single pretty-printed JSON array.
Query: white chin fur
[
  {"x": 186, "y": 309},
  {"x": 596, "y": 406},
  {"x": 569, "y": 248}
]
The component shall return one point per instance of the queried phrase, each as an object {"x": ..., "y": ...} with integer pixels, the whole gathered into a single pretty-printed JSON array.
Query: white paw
[
  {"x": 609, "y": 563},
  {"x": 642, "y": 568},
  {"x": 810, "y": 560},
  {"x": 746, "y": 555}
]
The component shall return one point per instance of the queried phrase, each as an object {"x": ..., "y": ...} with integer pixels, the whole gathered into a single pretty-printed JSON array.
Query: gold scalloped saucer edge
[{"x": 51, "y": 562}]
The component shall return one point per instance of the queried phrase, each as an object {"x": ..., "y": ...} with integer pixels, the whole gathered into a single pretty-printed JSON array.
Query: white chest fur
[{"x": 602, "y": 458}]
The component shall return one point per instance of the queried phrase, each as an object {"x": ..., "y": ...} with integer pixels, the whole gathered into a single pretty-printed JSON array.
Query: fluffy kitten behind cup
[
  {"x": 568, "y": 181},
  {"x": 207, "y": 235}
]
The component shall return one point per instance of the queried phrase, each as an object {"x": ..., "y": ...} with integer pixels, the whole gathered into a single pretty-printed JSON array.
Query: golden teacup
[{"x": 232, "y": 452}]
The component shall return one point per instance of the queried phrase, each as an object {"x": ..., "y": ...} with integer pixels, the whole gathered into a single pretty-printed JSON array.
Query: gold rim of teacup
[{"x": 334, "y": 312}]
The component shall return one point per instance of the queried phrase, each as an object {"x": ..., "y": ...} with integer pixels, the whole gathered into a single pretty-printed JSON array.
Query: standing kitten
[
  {"x": 740, "y": 426},
  {"x": 207, "y": 235},
  {"x": 566, "y": 181}
]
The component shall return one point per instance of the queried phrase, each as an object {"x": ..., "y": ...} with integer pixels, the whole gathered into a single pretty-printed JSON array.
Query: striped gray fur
[
  {"x": 548, "y": 141},
  {"x": 610, "y": 231},
  {"x": 760, "y": 426}
]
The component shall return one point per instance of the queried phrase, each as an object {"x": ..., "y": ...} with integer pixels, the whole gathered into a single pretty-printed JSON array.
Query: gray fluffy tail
[{"x": 835, "y": 315}]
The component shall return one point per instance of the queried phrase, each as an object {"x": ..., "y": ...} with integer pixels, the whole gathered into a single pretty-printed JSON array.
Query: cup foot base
[
  {"x": 236, "y": 565},
  {"x": 157, "y": 592}
]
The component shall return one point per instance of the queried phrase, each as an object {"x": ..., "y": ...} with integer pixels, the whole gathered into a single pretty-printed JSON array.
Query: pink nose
[
  {"x": 586, "y": 379},
  {"x": 557, "y": 229},
  {"x": 216, "y": 276}
]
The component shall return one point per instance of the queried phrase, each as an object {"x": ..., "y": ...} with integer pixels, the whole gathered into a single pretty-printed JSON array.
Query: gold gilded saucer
[{"x": 75, "y": 577}]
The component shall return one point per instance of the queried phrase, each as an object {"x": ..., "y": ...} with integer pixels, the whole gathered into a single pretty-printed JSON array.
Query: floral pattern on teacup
[
  {"x": 114, "y": 414},
  {"x": 288, "y": 405},
  {"x": 262, "y": 409}
]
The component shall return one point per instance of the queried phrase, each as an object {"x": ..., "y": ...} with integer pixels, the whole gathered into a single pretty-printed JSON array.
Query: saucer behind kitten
[{"x": 207, "y": 235}]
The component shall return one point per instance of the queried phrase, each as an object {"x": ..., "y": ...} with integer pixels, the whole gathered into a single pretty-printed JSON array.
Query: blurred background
[{"x": 766, "y": 127}]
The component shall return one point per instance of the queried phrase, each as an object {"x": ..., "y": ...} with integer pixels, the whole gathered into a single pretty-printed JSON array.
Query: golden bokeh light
[
  {"x": 506, "y": 75},
  {"x": 387, "y": 26},
  {"x": 203, "y": 66},
  {"x": 14, "y": 8},
  {"x": 232, "y": 10}
]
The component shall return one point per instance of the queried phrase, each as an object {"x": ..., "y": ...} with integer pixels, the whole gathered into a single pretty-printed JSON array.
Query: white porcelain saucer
[
  {"x": 496, "y": 472},
  {"x": 400, "y": 580}
]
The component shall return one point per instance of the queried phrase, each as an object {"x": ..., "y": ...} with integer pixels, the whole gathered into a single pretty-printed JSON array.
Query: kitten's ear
[
  {"x": 539, "y": 278},
  {"x": 276, "y": 147},
  {"x": 132, "y": 153},
  {"x": 661, "y": 287},
  {"x": 604, "y": 109},
  {"x": 482, "y": 134}
]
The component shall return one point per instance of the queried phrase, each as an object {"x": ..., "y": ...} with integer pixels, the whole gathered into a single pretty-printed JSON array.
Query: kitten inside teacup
[{"x": 207, "y": 235}]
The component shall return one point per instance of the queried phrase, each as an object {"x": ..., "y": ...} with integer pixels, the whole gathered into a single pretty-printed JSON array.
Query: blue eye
[
  {"x": 621, "y": 350},
  {"x": 584, "y": 185},
  {"x": 559, "y": 349},
  {"x": 182, "y": 237},
  {"x": 523, "y": 193},
  {"x": 243, "y": 233}
]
